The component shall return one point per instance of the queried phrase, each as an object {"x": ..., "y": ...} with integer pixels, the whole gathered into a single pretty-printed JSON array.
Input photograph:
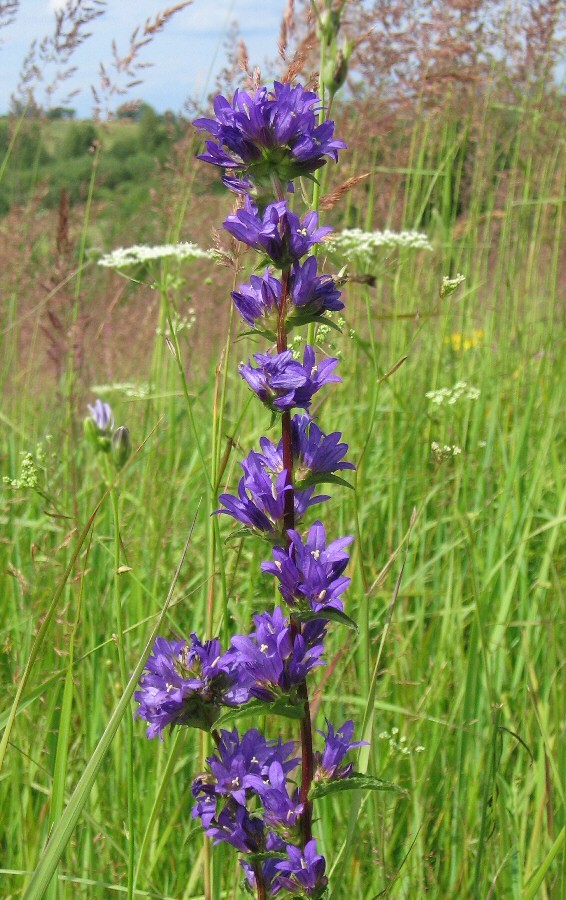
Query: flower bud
[
  {"x": 121, "y": 446},
  {"x": 91, "y": 431},
  {"x": 328, "y": 25},
  {"x": 336, "y": 70}
]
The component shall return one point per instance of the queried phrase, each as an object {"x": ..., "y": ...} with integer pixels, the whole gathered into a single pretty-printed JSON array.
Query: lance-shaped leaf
[
  {"x": 258, "y": 708},
  {"x": 354, "y": 782},
  {"x": 328, "y": 613}
]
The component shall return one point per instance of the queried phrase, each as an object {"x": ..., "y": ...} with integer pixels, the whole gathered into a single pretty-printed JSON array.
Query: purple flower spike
[
  {"x": 270, "y": 131},
  {"x": 185, "y": 684},
  {"x": 278, "y": 232},
  {"x": 337, "y": 745},
  {"x": 102, "y": 416},
  {"x": 310, "y": 573},
  {"x": 303, "y": 871},
  {"x": 282, "y": 382}
]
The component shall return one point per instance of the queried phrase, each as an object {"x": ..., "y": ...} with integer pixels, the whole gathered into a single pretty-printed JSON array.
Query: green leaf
[
  {"x": 266, "y": 854},
  {"x": 354, "y": 782},
  {"x": 323, "y": 478},
  {"x": 331, "y": 614},
  {"x": 257, "y": 708},
  {"x": 326, "y": 321},
  {"x": 258, "y": 332},
  {"x": 306, "y": 316},
  {"x": 238, "y": 533}
]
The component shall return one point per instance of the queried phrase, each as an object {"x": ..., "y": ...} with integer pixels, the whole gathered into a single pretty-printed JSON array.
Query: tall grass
[{"x": 462, "y": 661}]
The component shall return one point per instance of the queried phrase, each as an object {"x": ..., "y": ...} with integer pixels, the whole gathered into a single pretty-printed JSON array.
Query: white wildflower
[
  {"x": 123, "y": 257},
  {"x": 354, "y": 243},
  {"x": 180, "y": 323},
  {"x": 449, "y": 285},
  {"x": 453, "y": 394},
  {"x": 444, "y": 452}
]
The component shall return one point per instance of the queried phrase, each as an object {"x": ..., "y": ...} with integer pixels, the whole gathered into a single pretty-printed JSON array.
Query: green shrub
[
  {"x": 125, "y": 147},
  {"x": 78, "y": 139}
]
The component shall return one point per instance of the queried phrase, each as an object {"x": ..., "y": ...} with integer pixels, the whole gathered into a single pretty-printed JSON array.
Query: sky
[{"x": 183, "y": 55}]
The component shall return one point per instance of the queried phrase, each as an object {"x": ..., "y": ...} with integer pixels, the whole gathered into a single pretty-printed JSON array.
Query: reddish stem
[
  {"x": 260, "y": 882},
  {"x": 289, "y": 522}
]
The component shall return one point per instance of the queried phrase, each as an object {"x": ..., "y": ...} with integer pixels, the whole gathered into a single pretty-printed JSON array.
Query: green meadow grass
[{"x": 457, "y": 674}]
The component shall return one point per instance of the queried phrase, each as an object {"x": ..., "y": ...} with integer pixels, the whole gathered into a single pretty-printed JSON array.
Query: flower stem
[
  {"x": 124, "y": 680},
  {"x": 260, "y": 882},
  {"x": 289, "y": 522}
]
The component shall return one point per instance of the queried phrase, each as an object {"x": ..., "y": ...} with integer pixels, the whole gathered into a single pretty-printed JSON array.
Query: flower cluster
[
  {"x": 449, "y": 285},
  {"x": 310, "y": 573},
  {"x": 282, "y": 382},
  {"x": 260, "y": 503},
  {"x": 247, "y": 798},
  {"x": 266, "y": 133},
  {"x": 186, "y": 684},
  {"x": 310, "y": 295},
  {"x": 277, "y": 232},
  {"x": 256, "y": 792},
  {"x": 273, "y": 661}
]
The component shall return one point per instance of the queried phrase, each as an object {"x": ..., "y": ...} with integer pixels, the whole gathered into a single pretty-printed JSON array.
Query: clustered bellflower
[
  {"x": 266, "y": 132},
  {"x": 277, "y": 232},
  {"x": 254, "y": 793},
  {"x": 282, "y": 382},
  {"x": 311, "y": 296}
]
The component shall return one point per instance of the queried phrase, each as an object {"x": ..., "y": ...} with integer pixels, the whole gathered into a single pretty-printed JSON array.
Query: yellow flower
[{"x": 458, "y": 343}]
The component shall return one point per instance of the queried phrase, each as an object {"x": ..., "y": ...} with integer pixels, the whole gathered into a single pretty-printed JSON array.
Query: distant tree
[{"x": 60, "y": 112}]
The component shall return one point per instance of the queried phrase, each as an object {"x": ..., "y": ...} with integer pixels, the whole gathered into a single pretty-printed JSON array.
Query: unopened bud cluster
[{"x": 103, "y": 437}]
